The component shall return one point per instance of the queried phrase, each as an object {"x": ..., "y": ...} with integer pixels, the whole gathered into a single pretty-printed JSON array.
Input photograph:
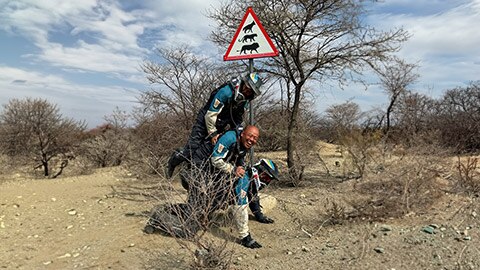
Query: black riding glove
[
  {"x": 260, "y": 217},
  {"x": 248, "y": 242}
]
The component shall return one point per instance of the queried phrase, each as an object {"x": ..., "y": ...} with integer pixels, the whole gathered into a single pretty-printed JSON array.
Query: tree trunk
[
  {"x": 45, "y": 168},
  {"x": 60, "y": 170},
  {"x": 393, "y": 99},
  {"x": 292, "y": 127}
]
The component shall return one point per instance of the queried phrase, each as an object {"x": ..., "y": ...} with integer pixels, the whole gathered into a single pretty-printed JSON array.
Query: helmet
[
  {"x": 267, "y": 170},
  {"x": 253, "y": 81}
]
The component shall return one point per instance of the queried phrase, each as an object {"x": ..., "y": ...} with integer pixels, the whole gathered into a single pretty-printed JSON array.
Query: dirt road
[{"x": 96, "y": 221}]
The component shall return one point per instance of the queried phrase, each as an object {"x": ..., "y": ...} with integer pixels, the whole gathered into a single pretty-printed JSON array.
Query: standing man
[{"x": 225, "y": 107}]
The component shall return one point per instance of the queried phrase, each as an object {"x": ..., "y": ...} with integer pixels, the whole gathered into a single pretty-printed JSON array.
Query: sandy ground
[{"x": 95, "y": 222}]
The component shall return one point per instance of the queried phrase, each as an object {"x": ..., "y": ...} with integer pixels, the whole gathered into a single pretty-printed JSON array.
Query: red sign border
[{"x": 257, "y": 21}]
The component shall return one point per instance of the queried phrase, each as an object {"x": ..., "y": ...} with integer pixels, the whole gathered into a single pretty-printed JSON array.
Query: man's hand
[
  {"x": 215, "y": 139},
  {"x": 239, "y": 171},
  {"x": 263, "y": 219}
]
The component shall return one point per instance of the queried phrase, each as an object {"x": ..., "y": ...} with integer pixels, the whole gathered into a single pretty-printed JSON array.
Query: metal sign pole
[
  {"x": 250, "y": 70},
  {"x": 254, "y": 43}
]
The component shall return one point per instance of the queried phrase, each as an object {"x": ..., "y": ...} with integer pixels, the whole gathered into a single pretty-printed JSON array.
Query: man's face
[
  {"x": 249, "y": 137},
  {"x": 246, "y": 91}
]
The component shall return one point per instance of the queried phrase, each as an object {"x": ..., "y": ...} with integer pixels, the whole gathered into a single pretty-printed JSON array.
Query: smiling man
[
  {"x": 219, "y": 179},
  {"x": 229, "y": 152},
  {"x": 228, "y": 157}
]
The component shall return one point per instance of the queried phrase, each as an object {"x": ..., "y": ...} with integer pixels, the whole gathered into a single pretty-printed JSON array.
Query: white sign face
[{"x": 250, "y": 40}]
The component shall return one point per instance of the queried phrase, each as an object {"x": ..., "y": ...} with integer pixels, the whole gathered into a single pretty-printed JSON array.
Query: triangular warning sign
[{"x": 250, "y": 40}]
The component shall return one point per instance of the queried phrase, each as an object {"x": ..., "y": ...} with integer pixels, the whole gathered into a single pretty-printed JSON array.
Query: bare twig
[
  {"x": 321, "y": 225},
  {"x": 459, "y": 261},
  {"x": 306, "y": 232}
]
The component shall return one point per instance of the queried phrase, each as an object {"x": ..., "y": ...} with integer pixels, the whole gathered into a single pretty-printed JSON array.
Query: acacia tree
[
  {"x": 317, "y": 39},
  {"x": 458, "y": 117},
  {"x": 414, "y": 116},
  {"x": 344, "y": 117},
  {"x": 395, "y": 78},
  {"x": 110, "y": 143},
  {"x": 35, "y": 129},
  {"x": 183, "y": 82}
]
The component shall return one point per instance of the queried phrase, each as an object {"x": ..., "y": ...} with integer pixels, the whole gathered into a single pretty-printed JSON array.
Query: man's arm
[
  {"x": 219, "y": 100},
  {"x": 220, "y": 151},
  {"x": 256, "y": 208}
]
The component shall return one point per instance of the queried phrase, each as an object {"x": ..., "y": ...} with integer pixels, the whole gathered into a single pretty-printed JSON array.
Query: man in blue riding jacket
[
  {"x": 246, "y": 192},
  {"x": 224, "y": 109},
  {"x": 232, "y": 178}
]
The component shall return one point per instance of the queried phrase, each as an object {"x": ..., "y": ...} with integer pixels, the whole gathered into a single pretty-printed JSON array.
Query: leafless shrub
[
  {"x": 457, "y": 118},
  {"x": 412, "y": 120},
  {"x": 183, "y": 82},
  {"x": 344, "y": 117},
  {"x": 322, "y": 161},
  {"x": 273, "y": 127},
  {"x": 156, "y": 136},
  {"x": 214, "y": 256},
  {"x": 467, "y": 175},
  {"x": 360, "y": 150},
  {"x": 407, "y": 184},
  {"x": 34, "y": 130},
  {"x": 395, "y": 78},
  {"x": 357, "y": 146},
  {"x": 80, "y": 166},
  {"x": 306, "y": 156},
  {"x": 335, "y": 213},
  {"x": 107, "y": 144},
  {"x": 191, "y": 218},
  {"x": 451, "y": 121}
]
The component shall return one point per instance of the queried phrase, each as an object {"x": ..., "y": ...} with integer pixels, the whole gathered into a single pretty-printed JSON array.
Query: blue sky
[{"x": 85, "y": 55}]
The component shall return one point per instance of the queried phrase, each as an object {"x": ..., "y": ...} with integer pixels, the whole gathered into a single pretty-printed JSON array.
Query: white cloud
[
  {"x": 451, "y": 32},
  {"x": 35, "y": 19},
  {"x": 186, "y": 20},
  {"x": 90, "y": 57},
  {"x": 118, "y": 30},
  {"x": 108, "y": 39},
  {"x": 114, "y": 32},
  {"x": 10, "y": 74},
  {"x": 444, "y": 40}
]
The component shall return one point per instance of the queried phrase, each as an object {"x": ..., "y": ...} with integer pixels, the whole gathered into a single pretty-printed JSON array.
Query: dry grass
[
  {"x": 189, "y": 218},
  {"x": 467, "y": 175},
  {"x": 405, "y": 185}
]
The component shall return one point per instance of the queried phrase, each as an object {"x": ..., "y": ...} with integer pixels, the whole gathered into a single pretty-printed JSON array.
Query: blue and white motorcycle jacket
[
  {"x": 228, "y": 153},
  {"x": 224, "y": 108}
]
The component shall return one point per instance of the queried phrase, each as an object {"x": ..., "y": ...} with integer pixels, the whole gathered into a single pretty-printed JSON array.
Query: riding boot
[{"x": 175, "y": 159}]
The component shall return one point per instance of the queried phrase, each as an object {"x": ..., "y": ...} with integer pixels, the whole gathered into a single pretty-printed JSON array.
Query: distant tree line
[
  {"x": 34, "y": 132},
  {"x": 451, "y": 121}
]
